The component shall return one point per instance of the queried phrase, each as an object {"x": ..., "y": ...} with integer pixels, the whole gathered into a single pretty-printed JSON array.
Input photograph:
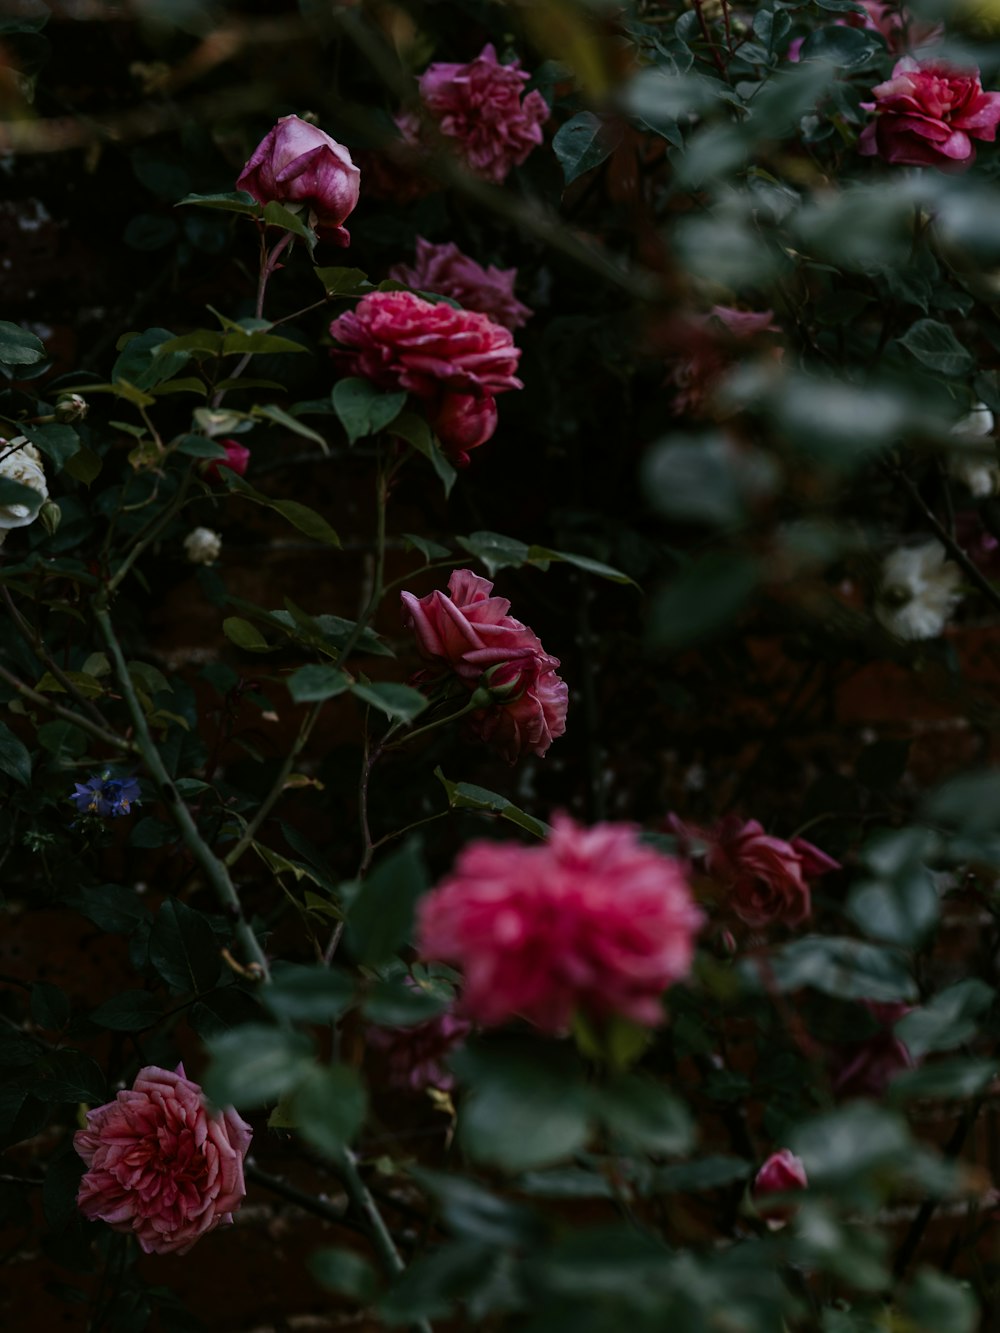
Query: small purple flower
[{"x": 106, "y": 795}]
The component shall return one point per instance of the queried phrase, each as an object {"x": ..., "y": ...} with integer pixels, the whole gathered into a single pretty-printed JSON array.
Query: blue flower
[{"x": 106, "y": 795}]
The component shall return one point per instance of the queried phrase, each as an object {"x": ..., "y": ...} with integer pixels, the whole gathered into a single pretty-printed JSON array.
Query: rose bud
[
  {"x": 297, "y": 164},
  {"x": 236, "y": 459},
  {"x": 782, "y": 1173},
  {"x": 463, "y": 422},
  {"x": 71, "y": 407}
]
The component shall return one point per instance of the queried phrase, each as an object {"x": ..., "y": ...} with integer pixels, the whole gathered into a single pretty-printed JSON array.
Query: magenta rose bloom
[
  {"x": 479, "y": 106},
  {"x": 592, "y": 921},
  {"x": 927, "y": 116},
  {"x": 468, "y": 634},
  {"x": 236, "y": 459},
  {"x": 766, "y": 879},
  {"x": 159, "y": 1166},
  {"x": 443, "y": 356},
  {"x": 298, "y": 164},
  {"x": 782, "y": 1173},
  {"x": 445, "y": 270}
]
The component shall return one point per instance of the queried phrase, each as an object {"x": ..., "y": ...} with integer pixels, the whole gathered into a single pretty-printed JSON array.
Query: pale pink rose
[
  {"x": 468, "y": 634},
  {"x": 159, "y": 1166},
  {"x": 236, "y": 459},
  {"x": 400, "y": 341},
  {"x": 766, "y": 879},
  {"x": 445, "y": 270},
  {"x": 592, "y": 921},
  {"x": 927, "y": 116},
  {"x": 415, "y": 1055},
  {"x": 782, "y": 1173},
  {"x": 296, "y": 163},
  {"x": 866, "y": 1068},
  {"x": 479, "y": 106}
]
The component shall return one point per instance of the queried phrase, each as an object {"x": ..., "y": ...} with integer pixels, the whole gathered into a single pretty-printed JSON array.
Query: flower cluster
[
  {"x": 106, "y": 795},
  {"x": 159, "y": 1166},
  {"x": 453, "y": 361},
  {"x": 469, "y": 635},
  {"x": 591, "y": 921},
  {"x": 478, "y": 107}
]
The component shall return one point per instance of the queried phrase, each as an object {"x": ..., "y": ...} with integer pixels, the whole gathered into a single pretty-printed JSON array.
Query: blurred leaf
[
  {"x": 244, "y": 635},
  {"x": 346, "y": 1273},
  {"x": 252, "y": 1065},
  {"x": 936, "y": 1302},
  {"x": 644, "y": 1114},
  {"x": 15, "y": 760},
  {"x": 703, "y": 599},
  {"x": 307, "y": 994},
  {"x": 584, "y": 142},
  {"x": 129, "y": 1011},
  {"x": 112, "y": 907},
  {"x": 707, "y": 1173},
  {"x": 380, "y": 918},
  {"x": 329, "y": 1106},
  {"x": 183, "y": 948},
  {"x": 935, "y": 346},
  {"x": 957, "y": 1078},
  {"x": 844, "y": 968},
  {"x": 392, "y": 1003},
  {"x": 472, "y": 1212},
  {"x": 843, "y": 47},
  {"x": 854, "y": 1141},
  {"x": 18, "y": 347},
  {"x": 948, "y": 1019}
]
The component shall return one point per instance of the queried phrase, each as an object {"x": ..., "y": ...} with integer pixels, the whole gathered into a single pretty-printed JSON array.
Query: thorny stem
[
  {"x": 215, "y": 870},
  {"x": 37, "y": 645},
  {"x": 101, "y": 734},
  {"x": 268, "y": 263}
]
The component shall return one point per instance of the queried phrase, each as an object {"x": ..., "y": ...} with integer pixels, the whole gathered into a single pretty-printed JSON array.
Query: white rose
[
  {"x": 977, "y": 473},
  {"x": 202, "y": 546},
  {"x": 918, "y": 590},
  {"x": 20, "y": 462}
]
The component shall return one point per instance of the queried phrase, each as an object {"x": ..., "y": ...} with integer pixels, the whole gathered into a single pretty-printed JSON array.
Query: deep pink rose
[
  {"x": 445, "y": 270},
  {"x": 782, "y": 1173},
  {"x": 866, "y": 1068},
  {"x": 298, "y": 164},
  {"x": 469, "y": 634},
  {"x": 440, "y": 354},
  {"x": 159, "y": 1166},
  {"x": 766, "y": 879},
  {"x": 927, "y": 116},
  {"x": 479, "y": 106},
  {"x": 236, "y": 459},
  {"x": 415, "y": 1055},
  {"x": 590, "y": 921}
]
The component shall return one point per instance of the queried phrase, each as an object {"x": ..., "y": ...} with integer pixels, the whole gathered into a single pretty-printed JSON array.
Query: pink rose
[
  {"x": 400, "y": 341},
  {"x": 866, "y": 1068},
  {"x": 415, "y": 1055},
  {"x": 479, "y": 106},
  {"x": 236, "y": 459},
  {"x": 468, "y": 634},
  {"x": 590, "y": 921},
  {"x": 159, "y": 1165},
  {"x": 445, "y": 270},
  {"x": 296, "y": 163},
  {"x": 707, "y": 346},
  {"x": 927, "y": 116},
  {"x": 782, "y": 1173},
  {"x": 766, "y": 879}
]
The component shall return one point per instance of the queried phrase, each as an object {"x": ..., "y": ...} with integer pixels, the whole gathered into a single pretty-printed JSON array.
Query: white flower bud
[
  {"x": 202, "y": 546},
  {"x": 71, "y": 407}
]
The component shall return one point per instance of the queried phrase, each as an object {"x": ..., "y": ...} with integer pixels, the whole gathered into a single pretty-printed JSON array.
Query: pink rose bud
[
  {"x": 236, "y": 459},
  {"x": 463, "y": 422},
  {"x": 782, "y": 1173},
  {"x": 591, "y": 921},
  {"x": 159, "y": 1166},
  {"x": 298, "y": 164},
  {"x": 927, "y": 115}
]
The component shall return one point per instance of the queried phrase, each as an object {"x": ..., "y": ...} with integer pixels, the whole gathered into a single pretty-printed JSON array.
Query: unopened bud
[
  {"x": 71, "y": 407},
  {"x": 202, "y": 546},
  {"x": 507, "y": 681},
  {"x": 51, "y": 516}
]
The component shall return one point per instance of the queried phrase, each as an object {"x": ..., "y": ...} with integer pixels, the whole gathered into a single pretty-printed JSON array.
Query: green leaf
[
  {"x": 934, "y": 345},
  {"x": 183, "y": 948},
  {"x": 415, "y": 430},
  {"x": 67, "y": 1075},
  {"x": 343, "y": 281},
  {"x": 935, "y": 1302},
  {"x": 15, "y": 760},
  {"x": 299, "y": 515},
  {"x": 364, "y": 409},
  {"x": 275, "y": 215},
  {"x": 235, "y": 201},
  {"x": 837, "y": 1147},
  {"x": 257, "y": 343},
  {"x": 58, "y": 442},
  {"x": 526, "y": 1105},
  {"x": 846, "y": 48},
  {"x": 470, "y": 1211},
  {"x": 644, "y": 1114},
  {"x": 845, "y": 968},
  {"x": 395, "y": 1004},
  {"x": 313, "y": 683},
  {"x": 583, "y": 143},
  {"x": 428, "y": 549},
  {"x": 142, "y": 363},
  {"x": 958, "y": 1078},
  {"x": 541, "y": 555},
  {"x": 329, "y": 1108},
  {"x": 396, "y": 701},
  {"x": 707, "y": 1173},
  {"x": 253, "y": 1065},
  {"x": 346, "y": 1273},
  {"x": 380, "y": 918},
  {"x": 496, "y": 551},
  {"x": 303, "y": 994},
  {"x": 15, "y": 493},
  {"x": 199, "y": 340},
  {"x": 85, "y": 466},
  {"x": 271, "y": 412},
  {"x": 466, "y": 796},
  {"x": 703, "y": 599},
  {"x": 197, "y": 446},
  {"x": 900, "y": 906},
  {"x": 245, "y": 635},
  {"x": 50, "y": 1007},
  {"x": 129, "y": 1011},
  {"x": 112, "y": 907},
  {"x": 948, "y": 1019},
  {"x": 18, "y": 347}
]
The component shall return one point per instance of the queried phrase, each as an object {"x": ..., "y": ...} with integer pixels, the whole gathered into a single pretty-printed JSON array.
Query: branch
[{"x": 101, "y": 734}]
